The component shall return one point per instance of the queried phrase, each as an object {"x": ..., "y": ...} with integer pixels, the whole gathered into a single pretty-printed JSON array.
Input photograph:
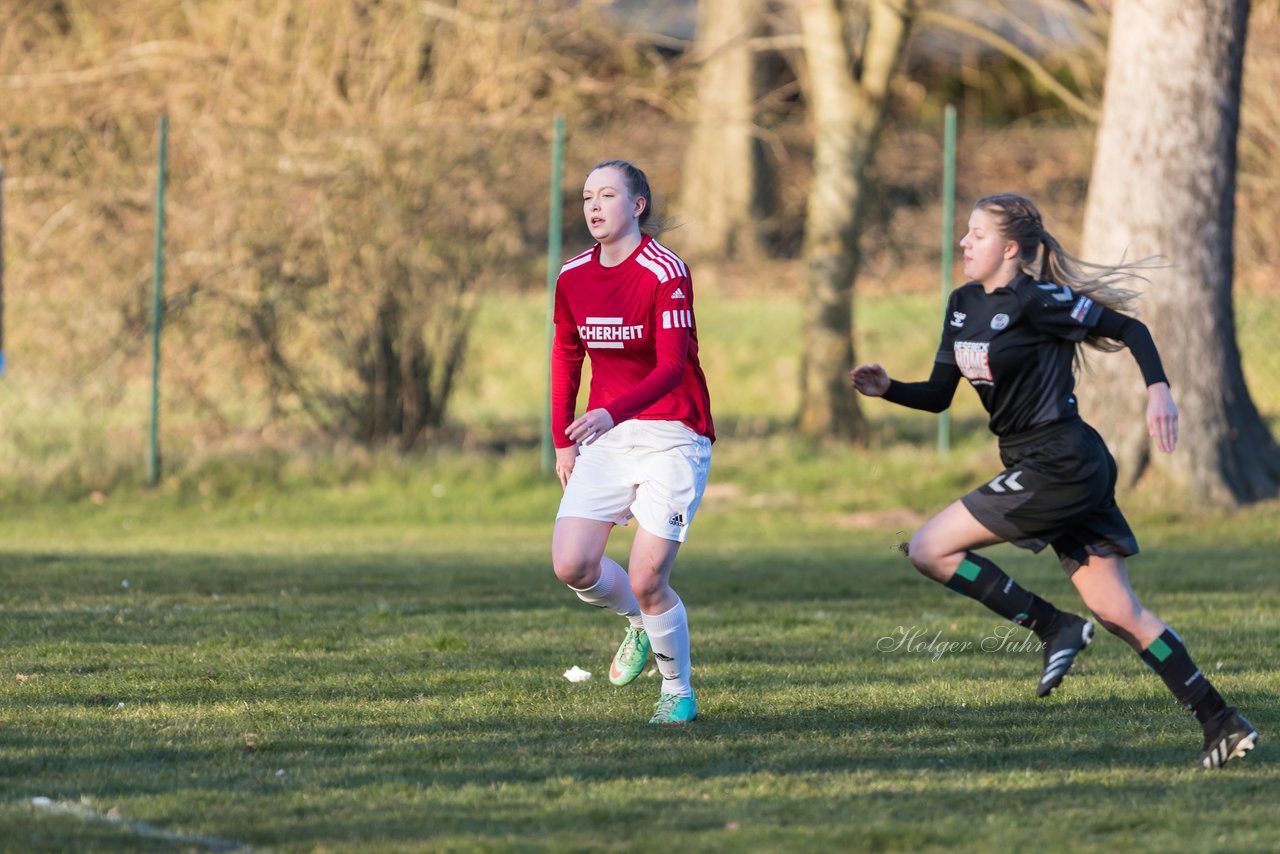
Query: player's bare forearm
[{"x": 1162, "y": 417}]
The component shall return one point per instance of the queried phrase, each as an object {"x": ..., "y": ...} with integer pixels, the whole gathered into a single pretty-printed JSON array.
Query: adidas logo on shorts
[{"x": 676, "y": 519}]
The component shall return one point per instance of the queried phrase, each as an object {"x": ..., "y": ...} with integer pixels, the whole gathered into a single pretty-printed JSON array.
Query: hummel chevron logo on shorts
[{"x": 1005, "y": 482}]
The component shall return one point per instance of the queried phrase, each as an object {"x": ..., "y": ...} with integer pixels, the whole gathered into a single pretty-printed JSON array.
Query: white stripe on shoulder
[
  {"x": 659, "y": 258},
  {"x": 677, "y": 262},
  {"x": 654, "y": 267},
  {"x": 577, "y": 260}
]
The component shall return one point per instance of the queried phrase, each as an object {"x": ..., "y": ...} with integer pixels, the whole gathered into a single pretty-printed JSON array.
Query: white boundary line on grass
[{"x": 84, "y": 812}]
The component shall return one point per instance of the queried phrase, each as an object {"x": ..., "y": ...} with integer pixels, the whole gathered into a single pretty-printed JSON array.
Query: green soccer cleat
[
  {"x": 673, "y": 709},
  {"x": 631, "y": 657}
]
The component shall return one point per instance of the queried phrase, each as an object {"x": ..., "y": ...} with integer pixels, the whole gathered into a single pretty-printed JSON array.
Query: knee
[
  {"x": 575, "y": 570},
  {"x": 1120, "y": 618},
  {"x": 649, "y": 588},
  {"x": 1123, "y": 631},
  {"x": 926, "y": 557}
]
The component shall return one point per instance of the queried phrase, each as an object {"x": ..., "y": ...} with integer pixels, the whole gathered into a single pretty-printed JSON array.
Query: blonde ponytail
[{"x": 1043, "y": 258}]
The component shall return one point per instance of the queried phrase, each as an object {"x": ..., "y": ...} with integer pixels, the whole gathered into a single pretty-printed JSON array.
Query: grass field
[
  {"x": 376, "y": 665},
  {"x": 334, "y": 652}
]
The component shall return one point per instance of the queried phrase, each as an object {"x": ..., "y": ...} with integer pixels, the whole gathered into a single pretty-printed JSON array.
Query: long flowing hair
[{"x": 1043, "y": 258}]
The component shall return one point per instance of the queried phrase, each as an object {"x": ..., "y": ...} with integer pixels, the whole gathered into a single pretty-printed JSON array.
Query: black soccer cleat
[
  {"x": 1060, "y": 650},
  {"x": 1229, "y": 737}
]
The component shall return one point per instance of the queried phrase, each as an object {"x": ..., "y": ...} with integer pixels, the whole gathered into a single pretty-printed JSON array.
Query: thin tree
[
  {"x": 848, "y": 94},
  {"x": 1164, "y": 182}
]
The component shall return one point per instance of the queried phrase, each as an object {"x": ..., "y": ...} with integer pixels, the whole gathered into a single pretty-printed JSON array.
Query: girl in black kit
[{"x": 1014, "y": 336}]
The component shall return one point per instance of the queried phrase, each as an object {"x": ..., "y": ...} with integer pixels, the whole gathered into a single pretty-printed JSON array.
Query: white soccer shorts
[{"x": 653, "y": 471}]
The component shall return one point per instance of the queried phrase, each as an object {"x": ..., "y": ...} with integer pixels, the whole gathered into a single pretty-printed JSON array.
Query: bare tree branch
[{"x": 1009, "y": 49}]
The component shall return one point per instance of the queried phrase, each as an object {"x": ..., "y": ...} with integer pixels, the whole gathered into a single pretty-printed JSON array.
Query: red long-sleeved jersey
[{"x": 636, "y": 320}]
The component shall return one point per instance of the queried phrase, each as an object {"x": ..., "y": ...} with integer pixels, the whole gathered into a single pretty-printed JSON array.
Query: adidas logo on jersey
[{"x": 679, "y": 294}]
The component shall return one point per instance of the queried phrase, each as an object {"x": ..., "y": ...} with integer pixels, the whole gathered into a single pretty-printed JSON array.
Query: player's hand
[
  {"x": 1162, "y": 417},
  {"x": 566, "y": 459},
  {"x": 590, "y": 426},
  {"x": 871, "y": 380}
]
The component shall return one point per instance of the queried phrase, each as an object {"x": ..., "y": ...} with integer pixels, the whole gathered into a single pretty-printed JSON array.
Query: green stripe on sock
[
  {"x": 970, "y": 571},
  {"x": 1159, "y": 649}
]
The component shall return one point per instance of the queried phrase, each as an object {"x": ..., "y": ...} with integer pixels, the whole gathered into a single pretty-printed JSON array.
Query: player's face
[
  {"x": 608, "y": 206},
  {"x": 986, "y": 249}
]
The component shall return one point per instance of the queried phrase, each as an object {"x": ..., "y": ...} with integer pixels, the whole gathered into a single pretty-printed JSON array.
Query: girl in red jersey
[
  {"x": 1013, "y": 333},
  {"x": 643, "y": 447}
]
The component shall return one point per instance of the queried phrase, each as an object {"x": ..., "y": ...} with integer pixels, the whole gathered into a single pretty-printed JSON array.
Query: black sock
[
  {"x": 1169, "y": 659},
  {"x": 979, "y": 578}
]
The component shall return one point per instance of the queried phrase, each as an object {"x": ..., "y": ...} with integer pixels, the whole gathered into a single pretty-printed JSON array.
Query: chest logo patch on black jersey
[
  {"x": 1000, "y": 321},
  {"x": 957, "y": 319},
  {"x": 973, "y": 358}
]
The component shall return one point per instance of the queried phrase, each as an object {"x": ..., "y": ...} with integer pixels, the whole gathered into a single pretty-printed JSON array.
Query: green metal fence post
[
  {"x": 555, "y": 228},
  {"x": 157, "y": 305},
  {"x": 1, "y": 270},
  {"x": 948, "y": 238}
]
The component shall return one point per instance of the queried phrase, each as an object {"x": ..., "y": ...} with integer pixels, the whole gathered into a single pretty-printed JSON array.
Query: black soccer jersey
[{"x": 1016, "y": 347}]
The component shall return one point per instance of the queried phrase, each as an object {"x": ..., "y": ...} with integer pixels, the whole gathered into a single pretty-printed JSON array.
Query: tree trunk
[
  {"x": 847, "y": 110},
  {"x": 1164, "y": 180},
  {"x": 718, "y": 186}
]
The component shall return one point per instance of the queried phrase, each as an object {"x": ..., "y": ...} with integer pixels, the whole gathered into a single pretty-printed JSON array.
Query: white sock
[
  {"x": 613, "y": 591},
  {"x": 669, "y": 635}
]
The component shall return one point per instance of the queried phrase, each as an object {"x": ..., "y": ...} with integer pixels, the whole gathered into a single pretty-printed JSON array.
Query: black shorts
[{"x": 1058, "y": 489}]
